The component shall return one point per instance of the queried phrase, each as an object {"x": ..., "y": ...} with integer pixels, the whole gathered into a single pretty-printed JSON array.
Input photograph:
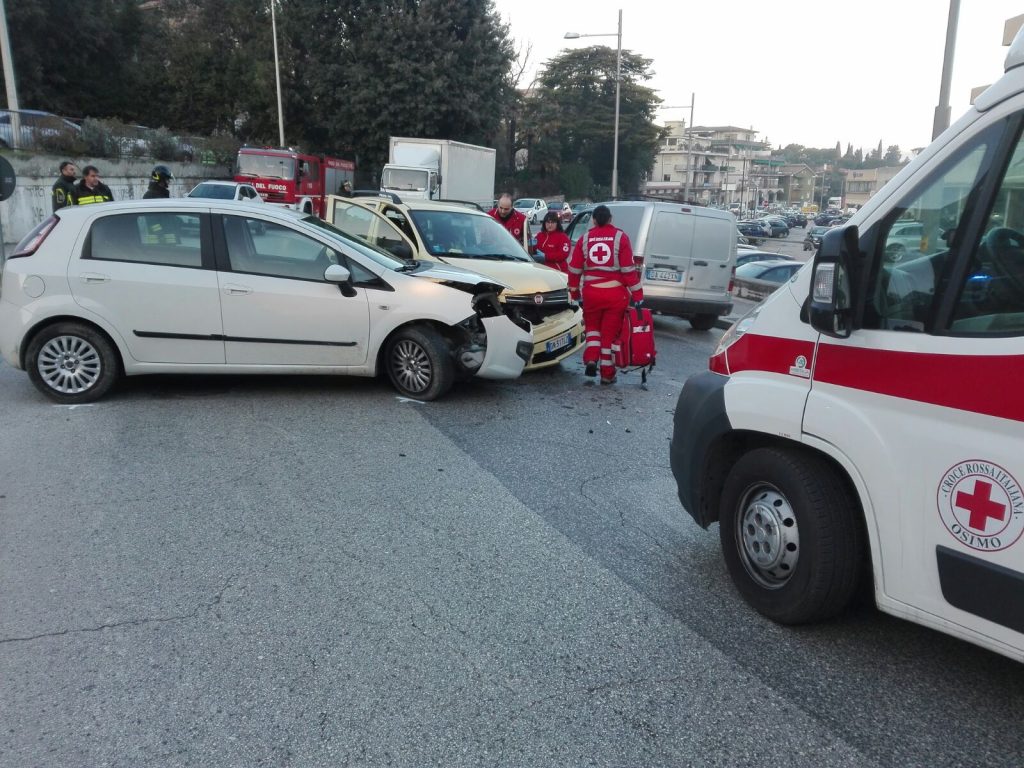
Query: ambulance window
[
  {"x": 991, "y": 300},
  {"x": 920, "y": 238}
]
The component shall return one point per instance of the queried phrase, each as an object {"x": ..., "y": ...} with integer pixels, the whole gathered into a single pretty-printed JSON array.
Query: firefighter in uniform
[
  {"x": 602, "y": 262},
  {"x": 64, "y": 186},
  {"x": 90, "y": 189},
  {"x": 512, "y": 220},
  {"x": 159, "y": 183}
]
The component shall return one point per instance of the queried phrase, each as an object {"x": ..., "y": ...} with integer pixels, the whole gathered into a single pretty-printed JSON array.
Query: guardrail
[{"x": 35, "y": 131}]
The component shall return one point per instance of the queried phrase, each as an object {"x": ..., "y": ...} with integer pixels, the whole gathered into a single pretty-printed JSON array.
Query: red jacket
[
  {"x": 515, "y": 224},
  {"x": 555, "y": 247},
  {"x": 608, "y": 260}
]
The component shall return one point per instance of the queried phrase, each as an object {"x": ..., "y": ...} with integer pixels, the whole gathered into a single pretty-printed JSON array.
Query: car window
[
  {"x": 213, "y": 191},
  {"x": 265, "y": 248},
  {"x": 170, "y": 239},
  {"x": 352, "y": 218},
  {"x": 751, "y": 269},
  {"x": 467, "y": 235},
  {"x": 778, "y": 274},
  {"x": 906, "y": 280},
  {"x": 991, "y": 296}
]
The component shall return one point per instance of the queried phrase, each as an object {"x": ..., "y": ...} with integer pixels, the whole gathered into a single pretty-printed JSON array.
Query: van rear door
[
  {"x": 712, "y": 257},
  {"x": 668, "y": 248}
]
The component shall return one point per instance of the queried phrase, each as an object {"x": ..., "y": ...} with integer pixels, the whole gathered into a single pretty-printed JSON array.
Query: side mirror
[
  {"x": 340, "y": 275},
  {"x": 831, "y": 300}
]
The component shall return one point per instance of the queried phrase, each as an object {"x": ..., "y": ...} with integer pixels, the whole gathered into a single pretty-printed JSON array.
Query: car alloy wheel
[
  {"x": 411, "y": 366},
  {"x": 72, "y": 363}
]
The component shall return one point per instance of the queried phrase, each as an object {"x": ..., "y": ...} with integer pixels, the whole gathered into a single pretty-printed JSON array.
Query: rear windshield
[{"x": 213, "y": 191}]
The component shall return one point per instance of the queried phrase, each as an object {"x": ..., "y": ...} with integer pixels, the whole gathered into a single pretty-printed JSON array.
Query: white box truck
[{"x": 439, "y": 169}]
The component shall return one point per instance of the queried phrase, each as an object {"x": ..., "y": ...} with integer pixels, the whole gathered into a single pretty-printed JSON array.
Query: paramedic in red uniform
[
  {"x": 552, "y": 243},
  {"x": 512, "y": 220},
  {"x": 603, "y": 262}
]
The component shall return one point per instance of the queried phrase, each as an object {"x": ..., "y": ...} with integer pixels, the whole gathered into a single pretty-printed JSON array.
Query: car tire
[
  {"x": 702, "y": 322},
  {"x": 791, "y": 535},
  {"x": 418, "y": 363},
  {"x": 72, "y": 363}
]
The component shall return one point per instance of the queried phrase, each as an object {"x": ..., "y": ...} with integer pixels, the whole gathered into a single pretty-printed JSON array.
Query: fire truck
[{"x": 292, "y": 179}]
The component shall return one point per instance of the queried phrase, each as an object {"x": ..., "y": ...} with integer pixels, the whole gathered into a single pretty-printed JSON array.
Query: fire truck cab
[
  {"x": 864, "y": 425},
  {"x": 292, "y": 179}
]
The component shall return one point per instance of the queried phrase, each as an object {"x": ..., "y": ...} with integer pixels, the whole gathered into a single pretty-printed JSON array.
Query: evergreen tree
[{"x": 893, "y": 155}]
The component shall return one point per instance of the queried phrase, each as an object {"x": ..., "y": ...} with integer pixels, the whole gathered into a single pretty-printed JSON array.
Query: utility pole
[
  {"x": 689, "y": 138},
  {"x": 277, "y": 74},
  {"x": 941, "y": 121},
  {"x": 9, "y": 84}
]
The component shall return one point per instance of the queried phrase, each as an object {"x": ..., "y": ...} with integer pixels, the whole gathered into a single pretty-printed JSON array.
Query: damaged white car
[{"x": 196, "y": 286}]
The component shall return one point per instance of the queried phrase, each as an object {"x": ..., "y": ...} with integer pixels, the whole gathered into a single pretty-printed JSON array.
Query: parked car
[
  {"x": 779, "y": 227},
  {"x": 536, "y": 296},
  {"x": 35, "y": 128},
  {"x": 755, "y": 231},
  {"x": 302, "y": 297},
  {"x": 745, "y": 257},
  {"x": 580, "y": 207},
  {"x": 905, "y": 237},
  {"x": 757, "y": 280},
  {"x": 533, "y": 208},
  {"x": 813, "y": 237},
  {"x": 226, "y": 190},
  {"x": 563, "y": 210}
]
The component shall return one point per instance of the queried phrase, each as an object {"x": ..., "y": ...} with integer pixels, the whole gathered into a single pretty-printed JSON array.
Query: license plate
[
  {"x": 665, "y": 274},
  {"x": 562, "y": 341}
]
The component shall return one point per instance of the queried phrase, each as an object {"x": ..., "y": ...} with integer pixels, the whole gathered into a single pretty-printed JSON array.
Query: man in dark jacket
[
  {"x": 159, "y": 183},
  {"x": 90, "y": 189},
  {"x": 64, "y": 186}
]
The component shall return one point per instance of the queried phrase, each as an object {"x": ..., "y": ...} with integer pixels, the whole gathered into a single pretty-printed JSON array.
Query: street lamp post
[
  {"x": 277, "y": 74},
  {"x": 618, "y": 88}
]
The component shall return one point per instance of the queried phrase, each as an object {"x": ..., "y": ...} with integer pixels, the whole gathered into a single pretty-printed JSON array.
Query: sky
[{"x": 810, "y": 73}]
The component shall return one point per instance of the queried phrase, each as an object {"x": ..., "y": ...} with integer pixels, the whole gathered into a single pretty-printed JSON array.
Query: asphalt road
[{"x": 237, "y": 571}]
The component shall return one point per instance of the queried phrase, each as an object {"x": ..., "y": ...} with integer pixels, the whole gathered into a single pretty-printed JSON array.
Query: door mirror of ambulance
[{"x": 831, "y": 299}]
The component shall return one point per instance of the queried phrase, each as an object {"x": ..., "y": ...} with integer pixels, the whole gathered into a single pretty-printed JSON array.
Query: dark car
[
  {"x": 778, "y": 224},
  {"x": 757, "y": 280},
  {"x": 800, "y": 220},
  {"x": 813, "y": 238},
  {"x": 752, "y": 230}
]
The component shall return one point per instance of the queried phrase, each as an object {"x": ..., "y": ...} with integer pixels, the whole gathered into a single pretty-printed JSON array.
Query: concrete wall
[{"x": 127, "y": 179}]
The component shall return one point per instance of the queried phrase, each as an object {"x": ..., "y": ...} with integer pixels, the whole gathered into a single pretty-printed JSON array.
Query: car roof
[
  {"x": 219, "y": 183},
  {"x": 768, "y": 263},
  {"x": 180, "y": 205},
  {"x": 414, "y": 204}
]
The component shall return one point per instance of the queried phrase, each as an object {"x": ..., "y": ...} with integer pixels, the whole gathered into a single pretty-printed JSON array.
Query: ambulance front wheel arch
[{"x": 792, "y": 535}]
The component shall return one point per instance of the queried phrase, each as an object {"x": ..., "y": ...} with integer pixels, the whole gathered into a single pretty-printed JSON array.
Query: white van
[
  {"x": 865, "y": 424},
  {"x": 687, "y": 254}
]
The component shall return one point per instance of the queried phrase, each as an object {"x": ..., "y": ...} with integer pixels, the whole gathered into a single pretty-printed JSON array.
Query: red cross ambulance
[{"x": 864, "y": 425}]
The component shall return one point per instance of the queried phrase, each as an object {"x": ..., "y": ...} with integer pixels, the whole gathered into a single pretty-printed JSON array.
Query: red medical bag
[{"x": 635, "y": 348}]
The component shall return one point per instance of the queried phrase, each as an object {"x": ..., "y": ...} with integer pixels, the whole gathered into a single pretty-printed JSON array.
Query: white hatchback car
[
  {"x": 194, "y": 286},
  {"x": 226, "y": 190}
]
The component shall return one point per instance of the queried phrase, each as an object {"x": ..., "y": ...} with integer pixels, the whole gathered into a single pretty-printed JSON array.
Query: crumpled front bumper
[{"x": 508, "y": 349}]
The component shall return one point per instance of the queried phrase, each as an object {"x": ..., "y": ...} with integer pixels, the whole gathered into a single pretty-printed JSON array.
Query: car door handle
[
  {"x": 94, "y": 277},
  {"x": 700, "y": 263},
  {"x": 237, "y": 290}
]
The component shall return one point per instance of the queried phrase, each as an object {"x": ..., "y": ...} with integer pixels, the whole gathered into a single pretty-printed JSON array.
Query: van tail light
[
  {"x": 31, "y": 242},
  {"x": 732, "y": 279}
]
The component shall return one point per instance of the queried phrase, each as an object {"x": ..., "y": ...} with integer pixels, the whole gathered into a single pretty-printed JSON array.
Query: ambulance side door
[{"x": 927, "y": 397}]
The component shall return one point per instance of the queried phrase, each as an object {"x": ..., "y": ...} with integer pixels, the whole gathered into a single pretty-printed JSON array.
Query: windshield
[
  {"x": 214, "y": 191},
  {"x": 525, "y": 202},
  {"x": 466, "y": 235},
  {"x": 751, "y": 269},
  {"x": 405, "y": 179},
  {"x": 266, "y": 166},
  {"x": 378, "y": 255}
]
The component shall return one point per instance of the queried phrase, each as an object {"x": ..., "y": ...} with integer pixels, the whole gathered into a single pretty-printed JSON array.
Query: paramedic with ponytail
[{"x": 601, "y": 268}]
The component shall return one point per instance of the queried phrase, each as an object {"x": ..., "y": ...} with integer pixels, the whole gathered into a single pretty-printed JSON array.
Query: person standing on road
[
  {"x": 512, "y": 220},
  {"x": 159, "y": 183},
  {"x": 602, "y": 262},
  {"x": 64, "y": 186},
  {"x": 90, "y": 189},
  {"x": 346, "y": 188},
  {"x": 552, "y": 243}
]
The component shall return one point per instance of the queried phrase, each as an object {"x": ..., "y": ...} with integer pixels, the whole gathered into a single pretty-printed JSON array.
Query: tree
[
  {"x": 893, "y": 155},
  {"x": 570, "y": 118}
]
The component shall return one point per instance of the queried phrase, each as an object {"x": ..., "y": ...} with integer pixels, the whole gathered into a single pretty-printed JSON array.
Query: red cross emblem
[{"x": 980, "y": 505}]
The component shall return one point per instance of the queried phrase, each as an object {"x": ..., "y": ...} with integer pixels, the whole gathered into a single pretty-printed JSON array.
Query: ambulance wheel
[
  {"x": 791, "y": 535},
  {"x": 702, "y": 322},
  {"x": 418, "y": 363}
]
